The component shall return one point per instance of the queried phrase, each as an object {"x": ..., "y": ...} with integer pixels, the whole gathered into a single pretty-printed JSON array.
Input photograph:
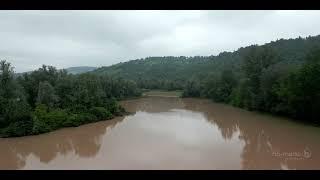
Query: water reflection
[
  {"x": 270, "y": 142},
  {"x": 171, "y": 133},
  {"x": 84, "y": 141}
]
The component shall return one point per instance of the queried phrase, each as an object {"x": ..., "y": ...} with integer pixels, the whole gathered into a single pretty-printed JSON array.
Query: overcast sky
[{"x": 29, "y": 39}]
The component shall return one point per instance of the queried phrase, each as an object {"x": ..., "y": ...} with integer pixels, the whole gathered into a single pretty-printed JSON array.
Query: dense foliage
[
  {"x": 281, "y": 77},
  {"x": 266, "y": 83},
  {"x": 48, "y": 99}
]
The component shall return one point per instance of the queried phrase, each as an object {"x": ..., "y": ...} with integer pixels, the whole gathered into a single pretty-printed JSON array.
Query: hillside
[{"x": 171, "y": 73}]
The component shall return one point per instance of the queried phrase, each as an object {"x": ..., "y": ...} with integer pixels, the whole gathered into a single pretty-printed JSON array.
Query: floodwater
[{"x": 171, "y": 133}]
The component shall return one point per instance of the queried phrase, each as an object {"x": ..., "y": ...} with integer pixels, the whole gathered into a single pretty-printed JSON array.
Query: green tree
[
  {"x": 192, "y": 89},
  {"x": 300, "y": 92},
  {"x": 255, "y": 61},
  {"x": 14, "y": 110},
  {"x": 46, "y": 94}
]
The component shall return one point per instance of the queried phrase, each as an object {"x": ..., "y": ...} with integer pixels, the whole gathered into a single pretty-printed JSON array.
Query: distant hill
[
  {"x": 168, "y": 72},
  {"x": 80, "y": 69}
]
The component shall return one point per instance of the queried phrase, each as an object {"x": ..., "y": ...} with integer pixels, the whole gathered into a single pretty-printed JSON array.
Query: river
[{"x": 171, "y": 133}]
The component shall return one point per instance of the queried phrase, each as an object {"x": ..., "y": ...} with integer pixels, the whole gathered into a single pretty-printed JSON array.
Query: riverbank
[
  {"x": 52, "y": 121},
  {"x": 46, "y": 121}
]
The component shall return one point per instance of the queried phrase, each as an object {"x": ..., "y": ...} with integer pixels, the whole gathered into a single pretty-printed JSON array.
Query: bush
[
  {"x": 19, "y": 128},
  {"x": 46, "y": 120},
  {"x": 120, "y": 111},
  {"x": 83, "y": 118},
  {"x": 56, "y": 117},
  {"x": 112, "y": 106},
  {"x": 101, "y": 113},
  {"x": 77, "y": 108},
  {"x": 78, "y": 119},
  {"x": 39, "y": 126},
  {"x": 71, "y": 121}
]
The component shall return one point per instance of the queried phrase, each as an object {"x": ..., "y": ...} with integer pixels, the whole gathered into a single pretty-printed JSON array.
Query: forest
[
  {"x": 48, "y": 99},
  {"x": 281, "y": 77}
]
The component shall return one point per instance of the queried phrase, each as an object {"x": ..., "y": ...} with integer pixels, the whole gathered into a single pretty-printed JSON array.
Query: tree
[
  {"x": 300, "y": 92},
  {"x": 225, "y": 86},
  {"x": 255, "y": 61},
  {"x": 46, "y": 94},
  {"x": 192, "y": 89},
  {"x": 14, "y": 110}
]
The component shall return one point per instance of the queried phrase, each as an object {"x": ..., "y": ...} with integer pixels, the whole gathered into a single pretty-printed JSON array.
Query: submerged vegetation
[
  {"x": 48, "y": 99},
  {"x": 281, "y": 77}
]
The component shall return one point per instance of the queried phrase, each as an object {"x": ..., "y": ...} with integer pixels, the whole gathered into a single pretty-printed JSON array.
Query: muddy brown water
[{"x": 171, "y": 133}]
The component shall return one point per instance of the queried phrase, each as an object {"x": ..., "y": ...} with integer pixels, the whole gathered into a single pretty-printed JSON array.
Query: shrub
[
  {"x": 56, "y": 117},
  {"x": 120, "y": 111},
  {"x": 101, "y": 113},
  {"x": 19, "y": 128},
  {"x": 46, "y": 120},
  {"x": 78, "y": 119},
  {"x": 39, "y": 126},
  {"x": 77, "y": 108}
]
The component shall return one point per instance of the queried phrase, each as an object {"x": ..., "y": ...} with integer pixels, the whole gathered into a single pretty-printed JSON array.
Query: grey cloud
[{"x": 96, "y": 38}]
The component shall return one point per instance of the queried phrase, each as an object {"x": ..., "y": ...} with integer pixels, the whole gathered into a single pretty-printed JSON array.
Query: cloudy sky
[{"x": 29, "y": 39}]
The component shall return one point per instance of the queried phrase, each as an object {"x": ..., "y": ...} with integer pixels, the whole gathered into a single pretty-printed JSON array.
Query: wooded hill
[{"x": 258, "y": 77}]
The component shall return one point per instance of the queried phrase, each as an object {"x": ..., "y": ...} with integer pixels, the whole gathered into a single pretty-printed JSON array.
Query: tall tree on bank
[{"x": 14, "y": 110}]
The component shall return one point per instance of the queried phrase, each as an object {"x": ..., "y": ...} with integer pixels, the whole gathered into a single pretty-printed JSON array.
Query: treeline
[
  {"x": 168, "y": 73},
  {"x": 266, "y": 84},
  {"x": 48, "y": 99}
]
